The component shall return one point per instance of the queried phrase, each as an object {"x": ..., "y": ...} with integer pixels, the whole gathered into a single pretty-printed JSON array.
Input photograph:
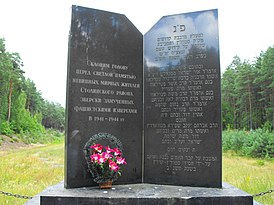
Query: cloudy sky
[{"x": 38, "y": 31}]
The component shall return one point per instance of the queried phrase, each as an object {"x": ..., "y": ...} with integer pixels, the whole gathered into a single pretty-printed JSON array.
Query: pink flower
[
  {"x": 106, "y": 159},
  {"x": 117, "y": 152},
  {"x": 113, "y": 166},
  {"x": 95, "y": 157},
  {"x": 102, "y": 159},
  {"x": 121, "y": 160},
  {"x": 106, "y": 155},
  {"x": 97, "y": 147},
  {"x": 108, "y": 149}
]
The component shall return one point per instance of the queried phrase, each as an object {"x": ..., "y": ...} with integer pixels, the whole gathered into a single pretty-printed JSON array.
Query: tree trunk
[
  {"x": 9, "y": 100},
  {"x": 250, "y": 107},
  {"x": 272, "y": 100},
  {"x": 234, "y": 113}
]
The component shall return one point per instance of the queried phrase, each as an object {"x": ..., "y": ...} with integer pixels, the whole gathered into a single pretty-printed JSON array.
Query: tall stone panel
[
  {"x": 182, "y": 106},
  {"x": 104, "y": 91}
]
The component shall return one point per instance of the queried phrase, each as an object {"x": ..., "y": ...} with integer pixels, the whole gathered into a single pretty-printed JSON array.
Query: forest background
[
  {"x": 24, "y": 114},
  {"x": 247, "y": 105}
]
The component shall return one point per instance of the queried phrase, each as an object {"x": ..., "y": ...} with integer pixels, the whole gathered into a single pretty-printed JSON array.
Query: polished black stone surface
[
  {"x": 145, "y": 194},
  {"x": 182, "y": 110},
  {"x": 104, "y": 91},
  {"x": 182, "y": 123}
]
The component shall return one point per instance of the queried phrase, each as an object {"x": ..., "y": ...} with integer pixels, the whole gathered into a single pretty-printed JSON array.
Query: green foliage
[
  {"x": 257, "y": 143},
  {"x": 6, "y": 128},
  {"x": 46, "y": 137},
  {"x": 53, "y": 116},
  {"x": 267, "y": 127},
  {"x": 22, "y": 109},
  {"x": 23, "y": 120},
  {"x": 261, "y": 144},
  {"x": 34, "y": 100},
  {"x": 248, "y": 93}
]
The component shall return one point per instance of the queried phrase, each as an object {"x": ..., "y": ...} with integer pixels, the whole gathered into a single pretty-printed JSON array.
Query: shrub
[
  {"x": 258, "y": 143},
  {"x": 47, "y": 136},
  {"x": 6, "y": 128},
  {"x": 262, "y": 144}
]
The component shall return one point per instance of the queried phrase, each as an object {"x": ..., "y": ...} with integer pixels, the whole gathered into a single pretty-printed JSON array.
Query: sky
[{"x": 38, "y": 31}]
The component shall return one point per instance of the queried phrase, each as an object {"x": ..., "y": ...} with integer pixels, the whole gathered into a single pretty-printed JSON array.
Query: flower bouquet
[{"x": 104, "y": 163}]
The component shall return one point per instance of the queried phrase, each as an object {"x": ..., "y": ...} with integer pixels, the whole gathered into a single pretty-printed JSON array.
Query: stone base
[{"x": 143, "y": 194}]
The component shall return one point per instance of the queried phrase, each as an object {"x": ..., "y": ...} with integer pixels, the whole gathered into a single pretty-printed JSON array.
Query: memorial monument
[
  {"x": 173, "y": 151},
  {"x": 104, "y": 91},
  {"x": 182, "y": 101}
]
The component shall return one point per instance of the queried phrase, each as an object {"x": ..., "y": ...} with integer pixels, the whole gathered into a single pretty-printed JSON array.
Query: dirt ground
[{"x": 11, "y": 143}]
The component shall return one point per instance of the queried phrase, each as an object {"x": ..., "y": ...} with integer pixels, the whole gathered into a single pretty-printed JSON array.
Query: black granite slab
[
  {"x": 182, "y": 101},
  {"x": 149, "y": 194},
  {"x": 104, "y": 91}
]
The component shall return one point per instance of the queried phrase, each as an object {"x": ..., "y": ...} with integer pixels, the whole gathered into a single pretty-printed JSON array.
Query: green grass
[
  {"x": 28, "y": 171},
  {"x": 252, "y": 175}
]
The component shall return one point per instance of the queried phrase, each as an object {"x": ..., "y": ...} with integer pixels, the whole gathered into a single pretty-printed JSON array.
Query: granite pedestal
[{"x": 143, "y": 194}]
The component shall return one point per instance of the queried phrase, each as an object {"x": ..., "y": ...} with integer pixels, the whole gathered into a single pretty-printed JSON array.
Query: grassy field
[
  {"x": 28, "y": 171},
  {"x": 250, "y": 174}
]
